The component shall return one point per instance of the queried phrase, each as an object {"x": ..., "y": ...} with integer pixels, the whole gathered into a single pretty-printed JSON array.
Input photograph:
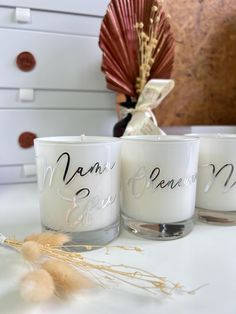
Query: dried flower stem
[
  {"x": 105, "y": 273},
  {"x": 147, "y": 45}
]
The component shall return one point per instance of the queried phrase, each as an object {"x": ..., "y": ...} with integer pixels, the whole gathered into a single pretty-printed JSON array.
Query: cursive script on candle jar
[
  {"x": 226, "y": 172},
  {"x": 153, "y": 180},
  {"x": 96, "y": 168},
  {"x": 82, "y": 203},
  {"x": 84, "y": 206}
]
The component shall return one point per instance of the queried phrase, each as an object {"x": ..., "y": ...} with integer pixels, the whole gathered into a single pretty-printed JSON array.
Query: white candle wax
[
  {"x": 217, "y": 172},
  {"x": 159, "y": 178},
  {"x": 78, "y": 179}
]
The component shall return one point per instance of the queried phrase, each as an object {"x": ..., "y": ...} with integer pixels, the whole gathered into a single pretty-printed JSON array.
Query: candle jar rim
[
  {"x": 160, "y": 138},
  {"x": 213, "y": 136},
  {"x": 76, "y": 140}
]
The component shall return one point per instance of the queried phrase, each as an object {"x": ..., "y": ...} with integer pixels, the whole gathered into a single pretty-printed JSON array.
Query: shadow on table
[{"x": 12, "y": 302}]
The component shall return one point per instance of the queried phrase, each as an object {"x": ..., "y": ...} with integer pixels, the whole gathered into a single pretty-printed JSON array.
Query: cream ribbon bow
[{"x": 143, "y": 120}]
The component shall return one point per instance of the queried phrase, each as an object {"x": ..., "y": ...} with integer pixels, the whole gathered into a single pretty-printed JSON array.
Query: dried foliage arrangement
[
  {"x": 57, "y": 271},
  {"x": 137, "y": 45}
]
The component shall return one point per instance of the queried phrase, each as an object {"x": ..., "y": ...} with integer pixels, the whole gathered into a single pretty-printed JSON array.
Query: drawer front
[
  {"x": 41, "y": 99},
  {"x": 47, "y": 123},
  {"x": 17, "y": 174},
  {"x": 65, "y": 62},
  {"x": 51, "y": 22},
  {"x": 89, "y": 7}
]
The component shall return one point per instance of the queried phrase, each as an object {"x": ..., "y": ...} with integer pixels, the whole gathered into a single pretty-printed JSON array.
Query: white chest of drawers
[{"x": 63, "y": 91}]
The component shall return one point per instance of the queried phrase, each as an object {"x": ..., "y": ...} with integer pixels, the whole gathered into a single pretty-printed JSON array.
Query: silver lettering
[{"x": 142, "y": 181}]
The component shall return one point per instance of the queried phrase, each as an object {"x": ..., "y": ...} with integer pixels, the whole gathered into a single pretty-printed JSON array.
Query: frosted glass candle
[
  {"x": 216, "y": 188},
  {"x": 78, "y": 179},
  {"x": 159, "y": 176}
]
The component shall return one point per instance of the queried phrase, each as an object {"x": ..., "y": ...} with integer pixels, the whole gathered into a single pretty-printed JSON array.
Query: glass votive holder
[
  {"x": 158, "y": 185},
  {"x": 79, "y": 182},
  {"x": 216, "y": 187}
]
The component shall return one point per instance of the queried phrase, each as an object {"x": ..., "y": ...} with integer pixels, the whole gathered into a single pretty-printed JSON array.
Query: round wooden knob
[
  {"x": 25, "y": 61},
  {"x": 26, "y": 139}
]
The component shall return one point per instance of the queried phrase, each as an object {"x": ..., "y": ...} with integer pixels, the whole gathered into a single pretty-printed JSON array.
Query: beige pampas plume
[
  {"x": 66, "y": 278},
  {"x": 59, "y": 271},
  {"x": 49, "y": 238},
  {"x": 30, "y": 250},
  {"x": 37, "y": 286}
]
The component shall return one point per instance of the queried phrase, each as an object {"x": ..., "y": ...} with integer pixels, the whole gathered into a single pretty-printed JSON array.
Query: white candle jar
[
  {"x": 216, "y": 188},
  {"x": 78, "y": 179},
  {"x": 159, "y": 176}
]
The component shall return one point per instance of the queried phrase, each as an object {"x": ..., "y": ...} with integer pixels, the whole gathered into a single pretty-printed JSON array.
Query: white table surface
[{"x": 206, "y": 256}]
